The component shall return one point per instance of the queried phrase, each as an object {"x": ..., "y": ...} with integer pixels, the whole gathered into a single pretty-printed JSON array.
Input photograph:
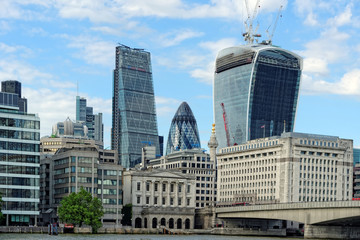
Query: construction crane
[
  {"x": 270, "y": 36},
  {"x": 250, "y": 34},
  {"x": 226, "y": 125}
]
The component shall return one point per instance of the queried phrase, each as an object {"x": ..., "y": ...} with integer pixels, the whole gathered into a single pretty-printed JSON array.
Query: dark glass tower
[
  {"x": 13, "y": 86},
  {"x": 134, "y": 123},
  {"x": 183, "y": 132},
  {"x": 256, "y": 89}
]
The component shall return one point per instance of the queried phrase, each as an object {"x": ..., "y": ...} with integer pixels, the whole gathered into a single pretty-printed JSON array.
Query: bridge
[{"x": 340, "y": 219}]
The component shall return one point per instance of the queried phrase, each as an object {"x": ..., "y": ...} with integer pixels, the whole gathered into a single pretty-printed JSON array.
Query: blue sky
[{"x": 50, "y": 46}]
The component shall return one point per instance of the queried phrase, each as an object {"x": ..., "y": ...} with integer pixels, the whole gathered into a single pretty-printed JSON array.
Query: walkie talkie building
[
  {"x": 256, "y": 89},
  {"x": 134, "y": 123}
]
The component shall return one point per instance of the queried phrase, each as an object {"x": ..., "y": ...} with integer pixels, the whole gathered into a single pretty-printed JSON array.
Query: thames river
[{"x": 12, "y": 236}]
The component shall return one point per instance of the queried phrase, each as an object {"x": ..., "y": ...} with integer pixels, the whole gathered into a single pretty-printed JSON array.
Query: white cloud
[
  {"x": 100, "y": 105},
  {"x": 343, "y": 18},
  {"x": 94, "y": 10},
  {"x": 92, "y": 50},
  {"x": 54, "y": 106},
  {"x": 12, "y": 69},
  {"x": 311, "y": 20},
  {"x": 166, "y": 107},
  {"x": 349, "y": 84},
  {"x": 176, "y": 37},
  {"x": 330, "y": 47},
  {"x": 205, "y": 73},
  {"x": 99, "y": 11}
]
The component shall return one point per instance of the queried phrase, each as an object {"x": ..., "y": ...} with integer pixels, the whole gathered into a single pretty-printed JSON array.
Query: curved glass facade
[
  {"x": 183, "y": 132},
  {"x": 255, "y": 93}
]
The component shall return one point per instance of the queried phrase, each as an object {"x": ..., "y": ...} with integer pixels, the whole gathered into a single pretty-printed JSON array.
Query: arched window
[
  {"x": 154, "y": 223},
  {"x": 171, "y": 223},
  {"x": 163, "y": 222},
  {"x": 138, "y": 223},
  {"x": 179, "y": 223},
  {"x": 187, "y": 223}
]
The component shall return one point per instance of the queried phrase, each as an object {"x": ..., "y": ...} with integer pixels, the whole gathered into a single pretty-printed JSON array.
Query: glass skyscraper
[
  {"x": 183, "y": 132},
  {"x": 93, "y": 122},
  {"x": 134, "y": 122},
  {"x": 19, "y": 162},
  {"x": 256, "y": 89}
]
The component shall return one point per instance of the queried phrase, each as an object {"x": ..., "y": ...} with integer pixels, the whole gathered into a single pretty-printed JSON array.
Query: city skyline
[{"x": 51, "y": 46}]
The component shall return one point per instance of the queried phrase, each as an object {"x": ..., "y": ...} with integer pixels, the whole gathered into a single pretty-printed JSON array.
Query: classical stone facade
[
  {"x": 160, "y": 198},
  {"x": 197, "y": 163},
  {"x": 295, "y": 167}
]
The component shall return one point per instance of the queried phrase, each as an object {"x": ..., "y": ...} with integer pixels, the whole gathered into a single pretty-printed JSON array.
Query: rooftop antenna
[{"x": 250, "y": 34}]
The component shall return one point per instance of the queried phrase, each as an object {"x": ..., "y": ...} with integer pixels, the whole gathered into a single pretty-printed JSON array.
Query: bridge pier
[{"x": 331, "y": 232}]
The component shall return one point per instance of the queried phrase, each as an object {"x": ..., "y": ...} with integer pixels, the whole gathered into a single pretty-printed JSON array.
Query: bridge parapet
[{"x": 290, "y": 206}]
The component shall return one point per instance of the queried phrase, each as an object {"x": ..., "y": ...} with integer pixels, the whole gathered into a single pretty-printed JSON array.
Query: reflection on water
[{"x": 128, "y": 237}]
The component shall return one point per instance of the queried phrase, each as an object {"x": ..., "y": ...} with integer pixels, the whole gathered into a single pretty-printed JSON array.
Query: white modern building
[
  {"x": 19, "y": 162},
  {"x": 160, "y": 197},
  {"x": 295, "y": 167}
]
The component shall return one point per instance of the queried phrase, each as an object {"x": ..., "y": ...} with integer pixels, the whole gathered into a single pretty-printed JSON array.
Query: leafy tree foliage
[
  {"x": 127, "y": 214},
  {"x": 81, "y": 207}
]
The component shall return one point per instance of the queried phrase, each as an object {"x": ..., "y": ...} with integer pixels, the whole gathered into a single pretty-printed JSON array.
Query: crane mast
[
  {"x": 250, "y": 34},
  {"x": 269, "y": 41},
  {"x": 226, "y": 125}
]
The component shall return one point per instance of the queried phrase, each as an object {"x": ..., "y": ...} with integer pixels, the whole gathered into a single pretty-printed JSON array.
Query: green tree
[
  {"x": 127, "y": 215},
  {"x": 81, "y": 207}
]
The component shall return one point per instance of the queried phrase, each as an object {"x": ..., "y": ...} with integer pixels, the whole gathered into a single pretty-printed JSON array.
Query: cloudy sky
[{"x": 51, "y": 46}]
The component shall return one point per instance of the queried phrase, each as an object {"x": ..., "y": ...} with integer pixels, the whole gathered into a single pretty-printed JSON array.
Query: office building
[
  {"x": 160, "y": 197},
  {"x": 13, "y": 86},
  {"x": 134, "y": 121},
  {"x": 93, "y": 122},
  {"x": 20, "y": 162},
  {"x": 183, "y": 133},
  {"x": 69, "y": 128},
  {"x": 256, "y": 89},
  {"x": 293, "y": 167},
  {"x": 76, "y": 165}
]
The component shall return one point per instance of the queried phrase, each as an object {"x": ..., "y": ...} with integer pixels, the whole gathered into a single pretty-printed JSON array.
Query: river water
[{"x": 12, "y": 236}]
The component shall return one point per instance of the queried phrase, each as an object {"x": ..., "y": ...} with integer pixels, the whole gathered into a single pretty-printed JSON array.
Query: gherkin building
[{"x": 183, "y": 132}]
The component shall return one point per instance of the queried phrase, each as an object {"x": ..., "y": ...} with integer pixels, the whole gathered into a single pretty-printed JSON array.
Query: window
[
  {"x": 188, "y": 202},
  {"x": 172, "y": 187},
  {"x": 147, "y": 200},
  {"x": 188, "y": 188},
  {"x": 138, "y": 199},
  {"x": 179, "y": 188},
  {"x": 147, "y": 186},
  {"x": 163, "y": 201},
  {"x": 171, "y": 201},
  {"x": 155, "y": 200},
  {"x": 156, "y": 187},
  {"x": 179, "y": 201},
  {"x": 164, "y": 187},
  {"x": 138, "y": 186}
]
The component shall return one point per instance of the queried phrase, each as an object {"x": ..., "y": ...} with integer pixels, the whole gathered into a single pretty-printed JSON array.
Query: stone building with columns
[
  {"x": 160, "y": 197},
  {"x": 293, "y": 167}
]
